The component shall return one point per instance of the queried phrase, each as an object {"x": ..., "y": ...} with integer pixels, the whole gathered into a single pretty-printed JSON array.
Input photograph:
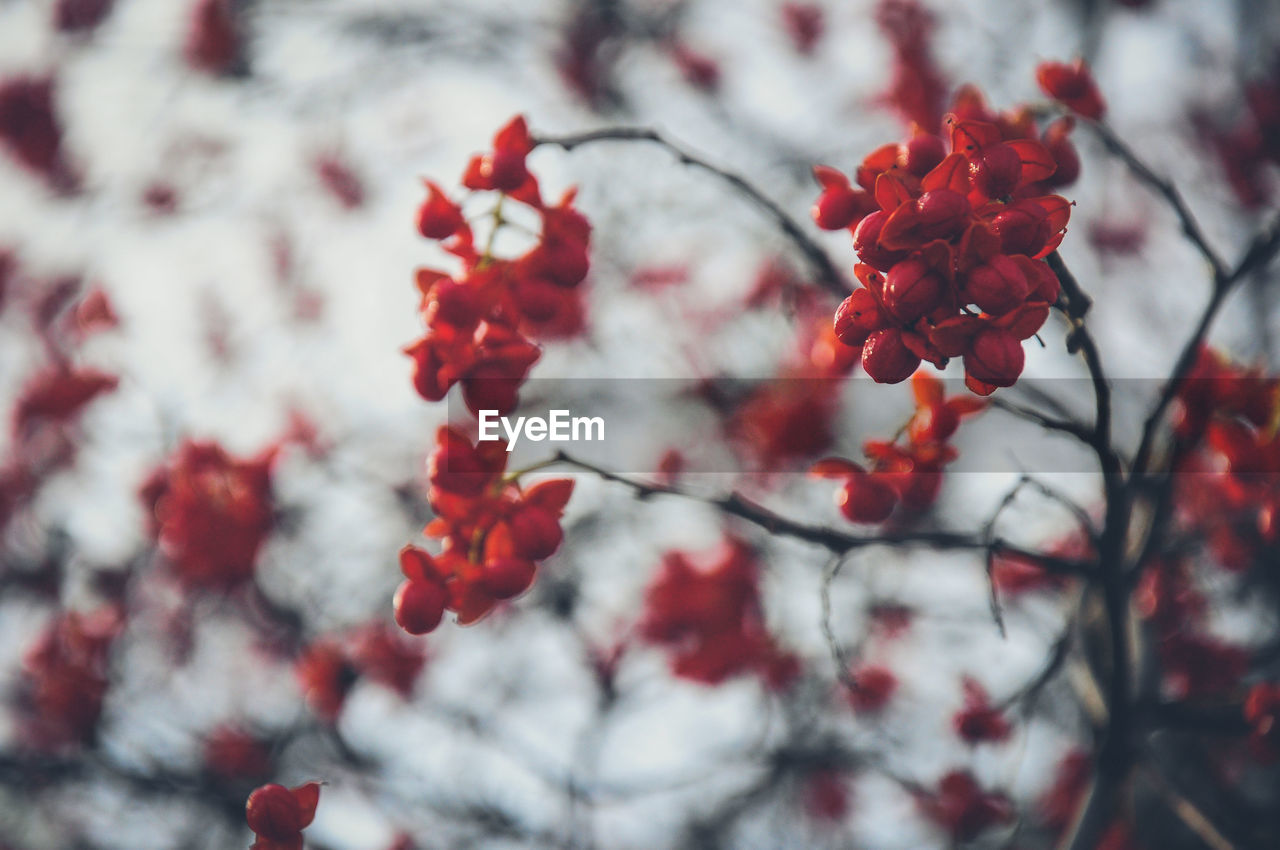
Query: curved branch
[{"x": 829, "y": 275}]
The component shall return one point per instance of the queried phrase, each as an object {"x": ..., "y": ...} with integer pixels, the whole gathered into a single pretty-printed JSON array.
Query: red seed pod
[
  {"x": 997, "y": 286},
  {"x": 866, "y": 498},
  {"x": 1073, "y": 86},
  {"x": 866, "y": 242},
  {"x": 857, "y": 317},
  {"x": 419, "y": 606},
  {"x": 538, "y": 299},
  {"x": 453, "y": 303},
  {"x": 438, "y": 217},
  {"x": 1023, "y": 228},
  {"x": 942, "y": 214},
  {"x": 923, "y": 153},
  {"x": 886, "y": 358},
  {"x": 505, "y": 577},
  {"x": 536, "y": 533},
  {"x": 273, "y": 813},
  {"x": 996, "y": 357},
  {"x": 836, "y": 208},
  {"x": 913, "y": 289},
  {"x": 995, "y": 170},
  {"x": 505, "y": 170},
  {"x": 1042, "y": 283},
  {"x": 934, "y": 423}
]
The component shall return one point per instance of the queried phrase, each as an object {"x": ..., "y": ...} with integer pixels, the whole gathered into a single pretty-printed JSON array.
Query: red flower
[
  {"x": 211, "y": 513},
  {"x": 804, "y": 25},
  {"x": 710, "y": 619},
  {"x": 31, "y": 131},
  {"x": 65, "y": 677},
  {"x": 1072, "y": 86},
  {"x": 979, "y": 722},
  {"x": 963, "y": 809},
  {"x": 213, "y": 37},
  {"x": 1262, "y": 713},
  {"x": 234, "y": 754},
  {"x": 80, "y": 15},
  {"x": 277, "y": 815},
  {"x": 871, "y": 687}
]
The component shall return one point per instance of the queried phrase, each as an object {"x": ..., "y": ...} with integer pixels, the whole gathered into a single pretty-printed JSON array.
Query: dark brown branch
[
  {"x": 1165, "y": 188},
  {"x": 1261, "y": 251},
  {"x": 739, "y": 506},
  {"x": 828, "y": 274}
]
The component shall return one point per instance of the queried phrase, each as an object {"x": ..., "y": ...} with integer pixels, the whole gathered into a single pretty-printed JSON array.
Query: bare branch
[{"x": 828, "y": 274}]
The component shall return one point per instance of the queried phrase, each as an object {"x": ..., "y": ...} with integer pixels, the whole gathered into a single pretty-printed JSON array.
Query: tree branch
[{"x": 828, "y": 274}]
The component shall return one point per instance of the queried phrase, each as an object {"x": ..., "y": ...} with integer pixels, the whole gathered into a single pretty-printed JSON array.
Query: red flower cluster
[
  {"x": 979, "y": 721},
  {"x": 1227, "y": 459},
  {"x": 952, "y": 244},
  {"x": 57, "y": 395},
  {"x": 478, "y": 321},
  {"x": 233, "y": 753},
  {"x": 870, "y": 688},
  {"x": 963, "y": 809},
  {"x": 907, "y": 474},
  {"x": 804, "y": 23},
  {"x": 80, "y": 15},
  {"x": 213, "y": 37},
  {"x": 65, "y": 676},
  {"x": 494, "y": 533},
  {"x": 1194, "y": 663},
  {"x": 277, "y": 815},
  {"x": 328, "y": 669},
  {"x": 30, "y": 129},
  {"x": 1072, "y": 86},
  {"x": 917, "y": 89},
  {"x": 711, "y": 620},
  {"x": 210, "y": 513},
  {"x": 1262, "y": 713},
  {"x": 1248, "y": 144}
]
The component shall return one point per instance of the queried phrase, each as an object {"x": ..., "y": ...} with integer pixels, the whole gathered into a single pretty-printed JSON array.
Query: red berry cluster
[
  {"x": 210, "y": 513},
  {"x": 952, "y": 244},
  {"x": 711, "y": 620},
  {"x": 907, "y": 473},
  {"x": 980, "y": 721},
  {"x": 328, "y": 669},
  {"x": 1262, "y": 713},
  {"x": 1073, "y": 86},
  {"x": 494, "y": 532},
  {"x": 478, "y": 320},
  {"x": 65, "y": 677},
  {"x": 1227, "y": 457},
  {"x": 277, "y": 815},
  {"x": 962, "y": 808}
]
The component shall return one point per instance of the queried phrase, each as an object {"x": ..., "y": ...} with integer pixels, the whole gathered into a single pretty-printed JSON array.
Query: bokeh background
[{"x": 226, "y": 226}]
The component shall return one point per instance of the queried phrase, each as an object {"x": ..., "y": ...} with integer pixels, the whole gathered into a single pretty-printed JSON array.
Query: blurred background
[{"x": 206, "y": 237}]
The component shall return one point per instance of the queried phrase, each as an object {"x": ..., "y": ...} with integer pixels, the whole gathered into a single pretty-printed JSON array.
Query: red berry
[
  {"x": 273, "y": 813},
  {"x": 857, "y": 317},
  {"x": 504, "y": 578},
  {"x": 419, "y": 606},
  {"x": 996, "y": 287},
  {"x": 438, "y": 217},
  {"x": 836, "y": 208},
  {"x": 536, "y": 533},
  {"x": 923, "y": 153},
  {"x": 995, "y": 170},
  {"x": 886, "y": 358},
  {"x": 866, "y": 241},
  {"x": 866, "y": 498},
  {"x": 996, "y": 358},
  {"x": 912, "y": 289}
]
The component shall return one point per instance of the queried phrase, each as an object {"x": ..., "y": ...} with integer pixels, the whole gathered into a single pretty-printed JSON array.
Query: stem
[{"x": 828, "y": 274}]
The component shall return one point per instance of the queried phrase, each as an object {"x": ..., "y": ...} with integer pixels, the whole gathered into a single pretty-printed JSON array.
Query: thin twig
[
  {"x": 828, "y": 274},
  {"x": 1163, "y": 187}
]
